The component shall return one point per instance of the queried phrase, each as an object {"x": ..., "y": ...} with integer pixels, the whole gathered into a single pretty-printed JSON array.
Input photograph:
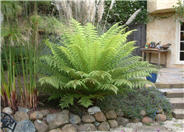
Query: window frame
[{"x": 178, "y": 41}]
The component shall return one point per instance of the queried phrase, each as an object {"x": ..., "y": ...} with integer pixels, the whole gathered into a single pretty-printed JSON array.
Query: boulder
[
  {"x": 57, "y": 119},
  {"x": 147, "y": 120},
  {"x": 104, "y": 126},
  {"x": 96, "y": 123},
  {"x": 88, "y": 118},
  {"x": 20, "y": 116},
  {"x": 36, "y": 115},
  {"x": 75, "y": 119},
  {"x": 122, "y": 121},
  {"x": 111, "y": 114},
  {"x": 22, "y": 109},
  {"x": 161, "y": 117},
  {"x": 41, "y": 126},
  {"x": 44, "y": 112},
  {"x": 69, "y": 128},
  {"x": 8, "y": 110},
  {"x": 120, "y": 113},
  {"x": 99, "y": 116},
  {"x": 25, "y": 126},
  {"x": 86, "y": 127},
  {"x": 94, "y": 109},
  {"x": 113, "y": 123},
  {"x": 56, "y": 130}
]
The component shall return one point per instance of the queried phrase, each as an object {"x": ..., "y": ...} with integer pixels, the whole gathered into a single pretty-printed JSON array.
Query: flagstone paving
[
  {"x": 174, "y": 125},
  {"x": 171, "y": 76}
]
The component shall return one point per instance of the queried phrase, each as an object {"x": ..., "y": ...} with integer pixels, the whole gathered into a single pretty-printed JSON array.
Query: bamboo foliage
[
  {"x": 8, "y": 91},
  {"x": 19, "y": 59}
]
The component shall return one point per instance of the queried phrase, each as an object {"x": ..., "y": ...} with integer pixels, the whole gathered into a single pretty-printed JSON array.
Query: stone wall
[{"x": 64, "y": 121}]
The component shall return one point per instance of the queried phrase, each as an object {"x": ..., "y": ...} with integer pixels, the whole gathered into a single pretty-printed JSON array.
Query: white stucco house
[{"x": 165, "y": 27}]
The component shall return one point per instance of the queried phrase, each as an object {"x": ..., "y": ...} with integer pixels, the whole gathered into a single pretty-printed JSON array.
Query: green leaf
[{"x": 85, "y": 101}]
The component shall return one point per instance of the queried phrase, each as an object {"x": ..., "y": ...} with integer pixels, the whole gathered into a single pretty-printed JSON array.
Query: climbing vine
[{"x": 179, "y": 8}]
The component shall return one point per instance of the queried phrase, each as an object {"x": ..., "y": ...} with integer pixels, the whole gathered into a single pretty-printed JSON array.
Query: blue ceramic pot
[{"x": 152, "y": 78}]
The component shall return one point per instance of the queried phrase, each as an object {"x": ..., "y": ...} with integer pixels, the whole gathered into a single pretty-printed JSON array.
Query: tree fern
[{"x": 87, "y": 66}]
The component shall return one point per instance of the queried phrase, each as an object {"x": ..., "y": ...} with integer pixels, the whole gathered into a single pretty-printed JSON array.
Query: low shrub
[{"x": 149, "y": 99}]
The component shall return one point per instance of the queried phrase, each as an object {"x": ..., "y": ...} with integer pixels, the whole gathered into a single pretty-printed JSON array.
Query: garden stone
[
  {"x": 111, "y": 114},
  {"x": 134, "y": 125},
  {"x": 147, "y": 120},
  {"x": 122, "y": 121},
  {"x": 143, "y": 113},
  {"x": 58, "y": 119},
  {"x": 44, "y": 112},
  {"x": 97, "y": 123},
  {"x": 161, "y": 117},
  {"x": 25, "y": 126},
  {"x": 113, "y": 123},
  {"x": 19, "y": 116},
  {"x": 86, "y": 127},
  {"x": 74, "y": 119},
  {"x": 93, "y": 110},
  {"x": 56, "y": 130},
  {"x": 99, "y": 116},
  {"x": 22, "y": 109},
  {"x": 36, "y": 115},
  {"x": 120, "y": 113},
  {"x": 88, "y": 118},
  {"x": 69, "y": 128},
  {"x": 104, "y": 126},
  {"x": 41, "y": 126},
  {"x": 8, "y": 110}
]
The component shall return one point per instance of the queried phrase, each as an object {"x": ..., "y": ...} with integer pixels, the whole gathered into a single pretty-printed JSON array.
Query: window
[{"x": 181, "y": 51}]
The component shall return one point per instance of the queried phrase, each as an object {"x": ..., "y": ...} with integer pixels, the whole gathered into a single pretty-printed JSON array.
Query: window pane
[
  {"x": 182, "y": 26},
  {"x": 182, "y": 36},
  {"x": 182, "y": 56},
  {"x": 182, "y": 46}
]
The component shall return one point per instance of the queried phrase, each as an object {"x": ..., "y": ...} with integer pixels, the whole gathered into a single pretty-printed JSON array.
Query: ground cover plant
[
  {"x": 148, "y": 99},
  {"x": 87, "y": 66}
]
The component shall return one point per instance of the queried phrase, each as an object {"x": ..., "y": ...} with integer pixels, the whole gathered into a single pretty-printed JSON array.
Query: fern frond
[
  {"x": 109, "y": 87},
  {"x": 74, "y": 84},
  {"x": 51, "y": 80},
  {"x": 85, "y": 101}
]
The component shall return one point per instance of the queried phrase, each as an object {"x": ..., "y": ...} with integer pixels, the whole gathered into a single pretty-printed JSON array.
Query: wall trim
[{"x": 178, "y": 43}]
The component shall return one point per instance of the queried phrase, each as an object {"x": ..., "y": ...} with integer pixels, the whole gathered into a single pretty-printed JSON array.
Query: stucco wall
[
  {"x": 154, "y": 5},
  {"x": 164, "y": 30}
]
